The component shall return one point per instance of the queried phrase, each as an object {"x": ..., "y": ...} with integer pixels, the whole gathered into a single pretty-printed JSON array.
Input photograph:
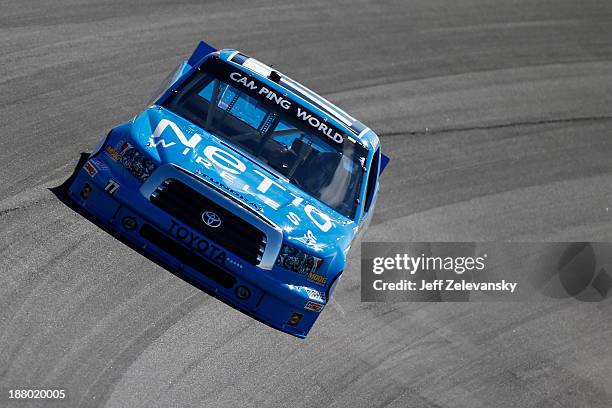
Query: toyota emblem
[{"x": 211, "y": 219}]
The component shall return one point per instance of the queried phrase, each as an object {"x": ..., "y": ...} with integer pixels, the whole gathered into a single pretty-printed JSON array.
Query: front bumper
[{"x": 125, "y": 209}]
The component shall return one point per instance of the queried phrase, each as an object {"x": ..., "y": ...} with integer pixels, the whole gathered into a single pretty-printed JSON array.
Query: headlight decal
[
  {"x": 297, "y": 261},
  {"x": 139, "y": 165}
]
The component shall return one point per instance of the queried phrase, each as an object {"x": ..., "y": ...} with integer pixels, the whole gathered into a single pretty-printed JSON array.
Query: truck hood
[{"x": 168, "y": 138}]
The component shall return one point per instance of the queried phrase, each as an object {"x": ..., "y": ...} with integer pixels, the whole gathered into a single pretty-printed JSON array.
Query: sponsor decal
[
  {"x": 315, "y": 295},
  {"x": 314, "y": 306},
  {"x": 254, "y": 87},
  {"x": 116, "y": 152},
  {"x": 122, "y": 146},
  {"x": 99, "y": 163},
  {"x": 113, "y": 153},
  {"x": 316, "y": 278},
  {"x": 90, "y": 168},
  {"x": 211, "y": 219},
  {"x": 198, "y": 243},
  {"x": 128, "y": 222},
  {"x": 229, "y": 165},
  {"x": 231, "y": 191},
  {"x": 310, "y": 240},
  {"x": 111, "y": 187}
]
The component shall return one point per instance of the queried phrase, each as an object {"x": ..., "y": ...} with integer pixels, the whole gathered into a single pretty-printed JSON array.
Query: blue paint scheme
[{"x": 188, "y": 153}]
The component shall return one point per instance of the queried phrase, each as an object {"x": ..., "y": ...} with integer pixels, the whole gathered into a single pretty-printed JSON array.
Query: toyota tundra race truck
[{"x": 242, "y": 181}]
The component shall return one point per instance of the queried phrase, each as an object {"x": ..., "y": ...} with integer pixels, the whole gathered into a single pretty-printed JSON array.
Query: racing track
[{"x": 498, "y": 117}]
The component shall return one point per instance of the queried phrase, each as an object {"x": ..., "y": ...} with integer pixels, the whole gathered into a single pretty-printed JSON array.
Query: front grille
[
  {"x": 187, "y": 205},
  {"x": 187, "y": 257}
]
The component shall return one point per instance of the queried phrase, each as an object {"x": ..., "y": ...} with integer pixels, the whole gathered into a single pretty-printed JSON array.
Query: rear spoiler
[{"x": 202, "y": 50}]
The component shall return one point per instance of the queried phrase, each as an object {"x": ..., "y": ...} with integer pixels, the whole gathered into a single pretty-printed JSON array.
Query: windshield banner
[{"x": 257, "y": 89}]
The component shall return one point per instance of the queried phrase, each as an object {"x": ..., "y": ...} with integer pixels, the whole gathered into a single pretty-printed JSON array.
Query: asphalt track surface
[{"x": 498, "y": 117}]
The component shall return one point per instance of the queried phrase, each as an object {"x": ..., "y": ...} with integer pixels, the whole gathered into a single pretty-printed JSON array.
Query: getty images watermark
[{"x": 438, "y": 272}]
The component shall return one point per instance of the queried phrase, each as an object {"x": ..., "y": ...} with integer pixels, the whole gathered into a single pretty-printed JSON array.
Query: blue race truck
[{"x": 243, "y": 181}]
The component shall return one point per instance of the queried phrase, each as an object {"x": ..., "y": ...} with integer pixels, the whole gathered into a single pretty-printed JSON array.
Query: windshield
[{"x": 328, "y": 166}]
